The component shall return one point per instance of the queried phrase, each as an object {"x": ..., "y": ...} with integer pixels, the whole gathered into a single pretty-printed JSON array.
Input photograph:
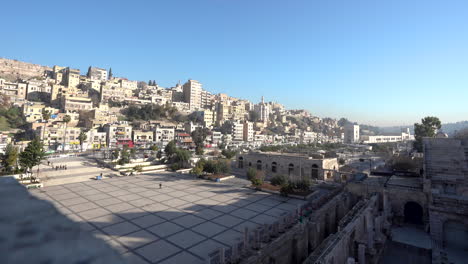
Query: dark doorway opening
[{"x": 413, "y": 213}]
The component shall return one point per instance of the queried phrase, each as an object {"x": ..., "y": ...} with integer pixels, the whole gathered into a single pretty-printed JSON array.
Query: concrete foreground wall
[{"x": 33, "y": 231}]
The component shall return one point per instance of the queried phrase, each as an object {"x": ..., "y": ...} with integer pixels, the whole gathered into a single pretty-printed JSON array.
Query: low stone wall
[{"x": 33, "y": 231}]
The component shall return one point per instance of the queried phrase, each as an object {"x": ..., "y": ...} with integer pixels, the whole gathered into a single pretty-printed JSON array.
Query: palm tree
[
  {"x": 82, "y": 138},
  {"x": 66, "y": 119},
  {"x": 45, "y": 117}
]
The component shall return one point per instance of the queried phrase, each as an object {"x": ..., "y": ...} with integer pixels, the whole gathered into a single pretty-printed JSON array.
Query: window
[
  {"x": 273, "y": 167},
  {"x": 290, "y": 169},
  {"x": 241, "y": 162},
  {"x": 314, "y": 173},
  {"x": 259, "y": 165}
]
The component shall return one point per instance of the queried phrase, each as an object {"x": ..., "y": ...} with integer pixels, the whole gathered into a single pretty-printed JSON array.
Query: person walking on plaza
[{"x": 160, "y": 186}]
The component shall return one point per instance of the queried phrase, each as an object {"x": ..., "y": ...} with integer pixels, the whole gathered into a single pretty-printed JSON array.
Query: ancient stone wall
[
  {"x": 397, "y": 196},
  {"x": 293, "y": 244},
  {"x": 33, "y": 231},
  {"x": 13, "y": 69}
]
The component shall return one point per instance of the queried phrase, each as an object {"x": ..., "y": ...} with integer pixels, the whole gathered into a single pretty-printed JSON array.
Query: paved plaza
[
  {"x": 182, "y": 222},
  {"x": 78, "y": 169}
]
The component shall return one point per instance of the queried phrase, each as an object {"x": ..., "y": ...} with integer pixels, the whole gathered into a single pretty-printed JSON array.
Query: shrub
[
  {"x": 138, "y": 168},
  {"x": 257, "y": 182},
  {"x": 229, "y": 154},
  {"x": 251, "y": 173},
  {"x": 175, "y": 166},
  {"x": 216, "y": 167},
  {"x": 279, "y": 180},
  {"x": 286, "y": 189},
  {"x": 303, "y": 185},
  {"x": 198, "y": 170}
]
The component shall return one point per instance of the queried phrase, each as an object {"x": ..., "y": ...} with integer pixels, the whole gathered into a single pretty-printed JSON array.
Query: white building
[
  {"x": 163, "y": 135},
  {"x": 351, "y": 133},
  {"x": 308, "y": 137},
  {"x": 98, "y": 74},
  {"x": 237, "y": 131},
  {"x": 404, "y": 136},
  {"x": 263, "y": 111}
]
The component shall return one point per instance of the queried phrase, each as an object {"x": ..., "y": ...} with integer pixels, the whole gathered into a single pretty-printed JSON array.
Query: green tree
[
  {"x": 229, "y": 154},
  {"x": 154, "y": 148},
  {"x": 9, "y": 158},
  {"x": 45, "y": 117},
  {"x": 32, "y": 155},
  {"x": 110, "y": 74},
  {"x": 88, "y": 74},
  {"x": 428, "y": 128},
  {"x": 115, "y": 154},
  {"x": 124, "y": 156},
  {"x": 82, "y": 138},
  {"x": 66, "y": 120},
  {"x": 181, "y": 157},
  {"x": 170, "y": 149},
  {"x": 133, "y": 153},
  {"x": 199, "y": 135}
]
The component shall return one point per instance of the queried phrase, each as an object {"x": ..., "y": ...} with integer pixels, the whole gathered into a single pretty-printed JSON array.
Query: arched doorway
[
  {"x": 290, "y": 169},
  {"x": 455, "y": 235},
  {"x": 273, "y": 167},
  {"x": 240, "y": 163},
  {"x": 314, "y": 172},
  {"x": 413, "y": 213},
  {"x": 259, "y": 165}
]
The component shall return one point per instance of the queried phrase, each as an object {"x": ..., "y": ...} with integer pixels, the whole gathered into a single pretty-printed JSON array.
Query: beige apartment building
[
  {"x": 118, "y": 135},
  {"x": 248, "y": 135},
  {"x": 33, "y": 111},
  {"x": 77, "y": 103},
  {"x": 16, "y": 91},
  {"x": 143, "y": 139},
  {"x": 98, "y": 74},
  {"x": 53, "y": 137},
  {"x": 95, "y": 139},
  {"x": 193, "y": 94}
]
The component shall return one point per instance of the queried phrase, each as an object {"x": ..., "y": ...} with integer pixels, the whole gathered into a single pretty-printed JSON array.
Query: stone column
[
  {"x": 234, "y": 253},
  {"x": 362, "y": 254},
  {"x": 386, "y": 205},
  {"x": 221, "y": 256},
  {"x": 256, "y": 242},
  {"x": 378, "y": 226},
  {"x": 370, "y": 228},
  {"x": 246, "y": 238}
]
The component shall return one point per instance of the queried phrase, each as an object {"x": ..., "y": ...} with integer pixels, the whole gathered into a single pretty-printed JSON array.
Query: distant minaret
[{"x": 263, "y": 101}]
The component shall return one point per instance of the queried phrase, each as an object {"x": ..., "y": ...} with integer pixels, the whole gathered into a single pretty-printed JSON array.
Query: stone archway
[
  {"x": 259, "y": 165},
  {"x": 290, "y": 169},
  {"x": 241, "y": 163},
  {"x": 274, "y": 167},
  {"x": 413, "y": 213}
]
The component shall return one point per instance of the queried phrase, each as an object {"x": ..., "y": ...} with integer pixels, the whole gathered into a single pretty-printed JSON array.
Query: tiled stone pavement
[{"x": 181, "y": 223}]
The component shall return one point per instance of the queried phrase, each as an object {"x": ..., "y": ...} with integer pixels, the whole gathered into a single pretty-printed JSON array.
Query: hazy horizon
[{"x": 382, "y": 64}]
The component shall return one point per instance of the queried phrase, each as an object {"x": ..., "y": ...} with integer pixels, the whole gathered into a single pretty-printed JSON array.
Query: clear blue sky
[{"x": 377, "y": 62}]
